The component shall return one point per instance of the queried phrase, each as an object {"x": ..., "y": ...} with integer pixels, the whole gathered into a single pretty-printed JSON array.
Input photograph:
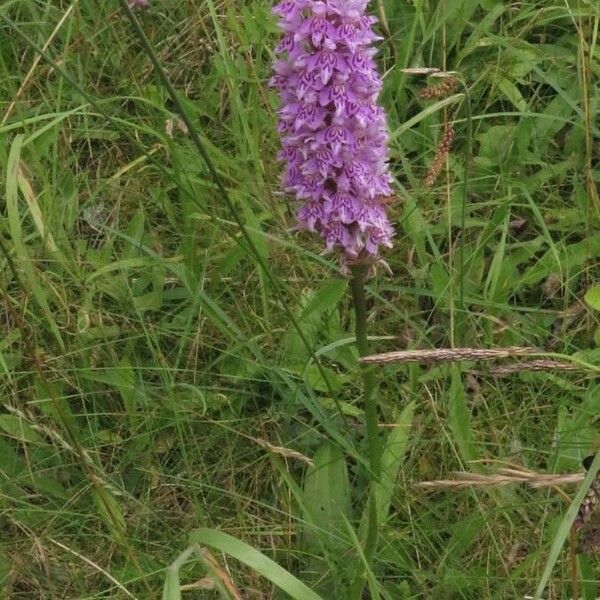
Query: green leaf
[
  {"x": 172, "y": 589},
  {"x": 588, "y": 579},
  {"x": 327, "y": 497},
  {"x": 592, "y": 297},
  {"x": 19, "y": 429},
  {"x": 29, "y": 275},
  {"x": 326, "y": 298},
  {"x": 564, "y": 528},
  {"x": 314, "y": 377},
  {"x": 561, "y": 260},
  {"x": 391, "y": 458},
  {"x": 350, "y": 410},
  {"x": 459, "y": 417},
  {"x": 11, "y": 464},
  {"x": 254, "y": 559},
  {"x": 121, "y": 377},
  {"x": 16, "y": 473},
  {"x": 51, "y": 399},
  {"x": 512, "y": 93},
  {"x": 429, "y": 110}
]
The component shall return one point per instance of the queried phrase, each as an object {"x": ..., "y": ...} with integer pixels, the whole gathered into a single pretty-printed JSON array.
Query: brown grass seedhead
[
  {"x": 504, "y": 476},
  {"x": 441, "y": 153},
  {"x": 532, "y": 365},
  {"x": 439, "y": 90},
  {"x": 447, "y": 355}
]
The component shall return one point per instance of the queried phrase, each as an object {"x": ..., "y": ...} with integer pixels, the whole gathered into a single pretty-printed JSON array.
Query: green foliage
[
  {"x": 392, "y": 456},
  {"x": 327, "y": 508},
  {"x": 162, "y": 371},
  {"x": 326, "y": 496},
  {"x": 592, "y": 297},
  {"x": 259, "y": 563}
]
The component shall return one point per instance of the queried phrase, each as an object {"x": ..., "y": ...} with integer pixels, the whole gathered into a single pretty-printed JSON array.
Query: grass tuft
[{"x": 175, "y": 357}]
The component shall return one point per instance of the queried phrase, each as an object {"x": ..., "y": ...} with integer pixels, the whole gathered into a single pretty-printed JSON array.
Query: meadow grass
[{"x": 173, "y": 361}]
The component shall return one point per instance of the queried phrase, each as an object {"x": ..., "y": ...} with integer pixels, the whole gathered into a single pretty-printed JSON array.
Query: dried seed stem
[{"x": 447, "y": 355}]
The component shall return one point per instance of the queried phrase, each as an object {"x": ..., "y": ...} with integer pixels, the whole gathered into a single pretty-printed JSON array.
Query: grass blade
[
  {"x": 256, "y": 560},
  {"x": 565, "y": 527}
]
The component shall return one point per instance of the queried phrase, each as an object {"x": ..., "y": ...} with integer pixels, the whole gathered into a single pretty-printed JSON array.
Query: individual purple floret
[
  {"x": 334, "y": 136},
  {"x": 134, "y": 3}
]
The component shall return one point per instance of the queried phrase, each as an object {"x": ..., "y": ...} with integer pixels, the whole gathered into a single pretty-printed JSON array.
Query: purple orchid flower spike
[{"x": 334, "y": 136}]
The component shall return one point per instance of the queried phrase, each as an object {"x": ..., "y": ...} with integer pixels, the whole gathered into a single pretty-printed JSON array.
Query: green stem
[{"x": 359, "y": 299}]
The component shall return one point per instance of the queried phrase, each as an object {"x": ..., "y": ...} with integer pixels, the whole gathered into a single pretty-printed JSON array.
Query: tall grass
[{"x": 178, "y": 367}]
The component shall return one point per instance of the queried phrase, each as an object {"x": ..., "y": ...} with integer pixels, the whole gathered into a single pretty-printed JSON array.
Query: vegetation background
[{"x": 152, "y": 381}]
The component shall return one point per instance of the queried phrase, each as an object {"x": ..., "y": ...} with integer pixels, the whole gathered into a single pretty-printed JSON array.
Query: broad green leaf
[
  {"x": 589, "y": 582},
  {"x": 172, "y": 588},
  {"x": 326, "y": 299},
  {"x": 314, "y": 377},
  {"x": 135, "y": 231},
  {"x": 391, "y": 459},
  {"x": 326, "y": 496},
  {"x": 15, "y": 472},
  {"x": 592, "y": 297},
  {"x": 256, "y": 560},
  {"x": 567, "y": 259},
  {"x": 316, "y": 317},
  {"x": 459, "y": 417},
  {"x": 347, "y": 409},
  {"x": 19, "y": 429},
  {"x": 493, "y": 12},
  {"x": 512, "y": 93}
]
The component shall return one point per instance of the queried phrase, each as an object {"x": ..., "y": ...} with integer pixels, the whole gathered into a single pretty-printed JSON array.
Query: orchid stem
[{"x": 359, "y": 299}]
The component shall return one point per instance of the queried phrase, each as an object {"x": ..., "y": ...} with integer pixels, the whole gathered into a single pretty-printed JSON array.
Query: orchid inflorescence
[{"x": 334, "y": 135}]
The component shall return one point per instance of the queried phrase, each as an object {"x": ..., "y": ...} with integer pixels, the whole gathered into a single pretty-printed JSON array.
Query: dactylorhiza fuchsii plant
[
  {"x": 334, "y": 135},
  {"x": 334, "y": 144}
]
